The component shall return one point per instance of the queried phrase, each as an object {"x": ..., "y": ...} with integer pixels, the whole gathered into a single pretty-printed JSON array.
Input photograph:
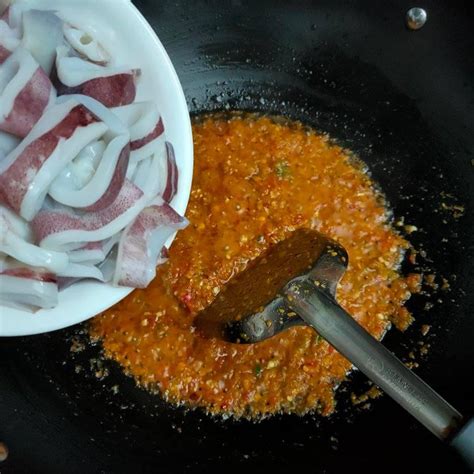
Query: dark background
[{"x": 402, "y": 100}]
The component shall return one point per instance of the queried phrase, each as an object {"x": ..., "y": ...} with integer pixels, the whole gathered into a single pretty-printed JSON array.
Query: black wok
[{"x": 404, "y": 101}]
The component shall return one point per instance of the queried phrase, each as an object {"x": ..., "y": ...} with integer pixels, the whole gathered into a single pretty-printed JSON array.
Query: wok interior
[{"x": 397, "y": 99}]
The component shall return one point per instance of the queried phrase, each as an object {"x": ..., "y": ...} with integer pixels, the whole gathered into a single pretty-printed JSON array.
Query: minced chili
[{"x": 255, "y": 180}]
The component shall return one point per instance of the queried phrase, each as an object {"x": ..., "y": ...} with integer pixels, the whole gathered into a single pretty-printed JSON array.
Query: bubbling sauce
[{"x": 256, "y": 180}]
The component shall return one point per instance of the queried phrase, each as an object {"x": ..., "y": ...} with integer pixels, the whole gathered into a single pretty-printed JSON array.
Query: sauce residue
[{"x": 255, "y": 180}]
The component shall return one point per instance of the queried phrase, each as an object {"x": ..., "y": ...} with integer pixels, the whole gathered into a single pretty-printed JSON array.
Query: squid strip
[
  {"x": 85, "y": 45},
  {"x": 60, "y": 227},
  {"x": 146, "y": 128},
  {"x": 81, "y": 271},
  {"x": 25, "y": 93},
  {"x": 9, "y": 41},
  {"x": 81, "y": 170},
  {"x": 15, "y": 241},
  {"x": 8, "y": 143},
  {"x": 142, "y": 243},
  {"x": 171, "y": 187},
  {"x": 28, "y": 289},
  {"x": 42, "y": 35},
  {"x": 108, "y": 178},
  {"x": 27, "y": 172},
  {"x": 163, "y": 167},
  {"x": 94, "y": 253},
  {"x": 112, "y": 86}
]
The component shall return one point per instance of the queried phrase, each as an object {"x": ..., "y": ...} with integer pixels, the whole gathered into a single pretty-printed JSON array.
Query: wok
[{"x": 404, "y": 102}]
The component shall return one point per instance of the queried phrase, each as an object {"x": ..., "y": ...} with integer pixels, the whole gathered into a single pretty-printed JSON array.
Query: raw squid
[
  {"x": 85, "y": 45},
  {"x": 4, "y": 10},
  {"x": 102, "y": 255},
  {"x": 152, "y": 166},
  {"x": 9, "y": 41},
  {"x": 27, "y": 288},
  {"x": 13, "y": 15},
  {"x": 107, "y": 179},
  {"x": 27, "y": 172},
  {"x": 113, "y": 86},
  {"x": 60, "y": 228},
  {"x": 171, "y": 187},
  {"x": 80, "y": 271},
  {"x": 16, "y": 241},
  {"x": 25, "y": 93},
  {"x": 163, "y": 167},
  {"x": 81, "y": 170},
  {"x": 8, "y": 143},
  {"x": 94, "y": 253},
  {"x": 42, "y": 35},
  {"x": 86, "y": 174},
  {"x": 146, "y": 128},
  {"x": 142, "y": 243}
]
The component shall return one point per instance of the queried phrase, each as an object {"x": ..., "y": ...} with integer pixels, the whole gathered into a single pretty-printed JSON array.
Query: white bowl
[{"x": 123, "y": 30}]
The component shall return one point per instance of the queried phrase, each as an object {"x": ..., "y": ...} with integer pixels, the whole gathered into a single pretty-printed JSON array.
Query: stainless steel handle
[{"x": 336, "y": 326}]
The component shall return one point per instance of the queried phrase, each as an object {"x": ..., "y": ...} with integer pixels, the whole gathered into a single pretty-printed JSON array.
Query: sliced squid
[
  {"x": 81, "y": 170},
  {"x": 142, "y": 243},
  {"x": 15, "y": 241},
  {"x": 27, "y": 172},
  {"x": 146, "y": 128},
  {"x": 99, "y": 254},
  {"x": 27, "y": 288},
  {"x": 85, "y": 45},
  {"x": 91, "y": 253},
  {"x": 152, "y": 166},
  {"x": 140, "y": 172},
  {"x": 110, "y": 174},
  {"x": 106, "y": 180},
  {"x": 113, "y": 86},
  {"x": 25, "y": 93},
  {"x": 8, "y": 143},
  {"x": 171, "y": 187},
  {"x": 163, "y": 168},
  {"x": 94, "y": 253},
  {"x": 108, "y": 266},
  {"x": 11, "y": 30},
  {"x": 11, "y": 221},
  {"x": 4, "y": 53},
  {"x": 13, "y": 15},
  {"x": 60, "y": 228},
  {"x": 4, "y": 10},
  {"x": 9, "y": 41},
  {"x": 42, "y": 35},
  {"x": 81, "y": 271},
  {"x": 86, "y": 175}
]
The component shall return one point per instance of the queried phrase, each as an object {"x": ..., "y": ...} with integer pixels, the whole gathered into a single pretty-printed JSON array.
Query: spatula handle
[
  {"x": 463, "y": 443},
  {"x": 336, "y": 326}
]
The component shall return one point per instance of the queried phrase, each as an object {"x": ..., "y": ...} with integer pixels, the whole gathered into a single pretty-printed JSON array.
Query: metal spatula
[{"x": 295, "y": 283}]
